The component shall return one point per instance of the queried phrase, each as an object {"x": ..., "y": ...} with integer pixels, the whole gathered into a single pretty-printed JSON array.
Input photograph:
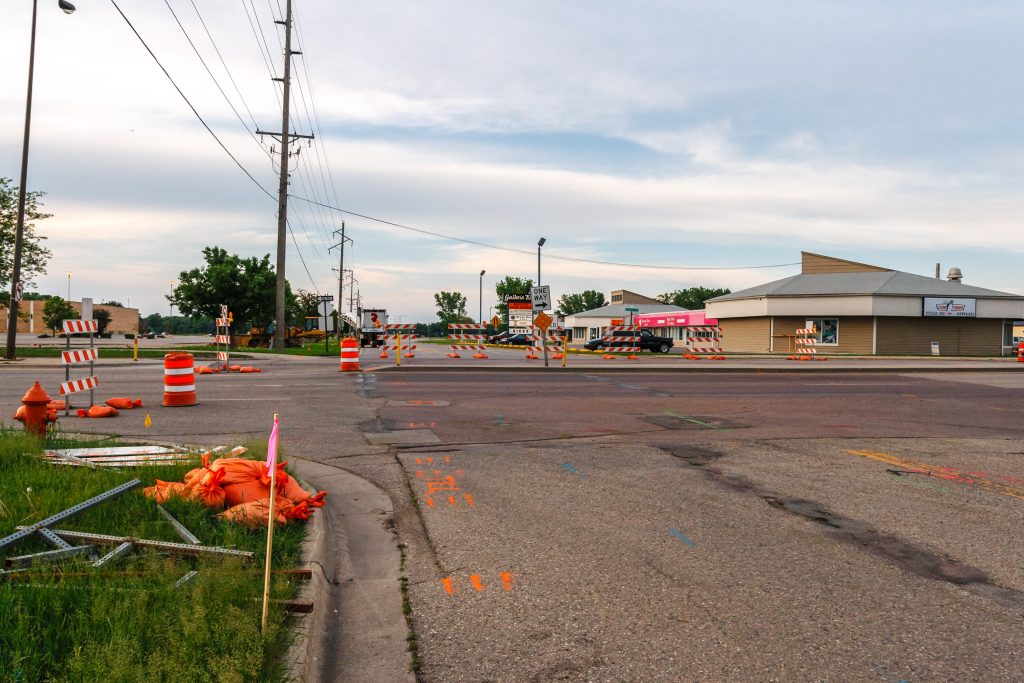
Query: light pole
[
  {"x": 12, "y": 309},
  {"x": 543, "y": 334},
  {"x": 171, "y": 314},
  {"x": 69, "y": 286},
  {"x": 480, "y": 313},
  {"x": 540, "y": 243}
]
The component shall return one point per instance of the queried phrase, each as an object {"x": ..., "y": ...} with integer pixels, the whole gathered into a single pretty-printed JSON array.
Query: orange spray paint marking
[
  {"x": 506, "y": 580},
  {"x": 419, "y": 473},
  {"x": 478, "y": 585},
  {"x": 419, "y": 461},
  {"x": 433, "y": 424},
  {"x": 412, "y": 426},
  {"x": 446, "y": 484},
  {"x": 458, "y": 472},
  {"x": 449, "y": 588},
  {"x": 447, "y": 458},
  {"x": 451, "y": 500},
  {"x": 430, "y": 502},
  {"x": 469, "y": 499},
  {"x": 430, "y": 460},
  {"x": 437, "y": 473}
]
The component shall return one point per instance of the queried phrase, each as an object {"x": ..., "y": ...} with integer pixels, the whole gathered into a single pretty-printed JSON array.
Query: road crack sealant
[{"x": 905, "y": 555}]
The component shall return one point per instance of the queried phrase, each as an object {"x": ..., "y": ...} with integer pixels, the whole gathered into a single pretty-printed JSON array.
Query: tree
[
  {"x": 507, "y": 286},
  {"x": 56, "y": 310},
  {"x": 451, "y": 308},
  {"x": 306, "y": 304},
  {"x": 246, "y": 286},
  {"x": 102, "y": 317},
  {"x": 692, "y": 298},
  {"x": 34, "y": 256},
  {"x": 587, "y": 300},
  {"x": 112, "y": 303}
]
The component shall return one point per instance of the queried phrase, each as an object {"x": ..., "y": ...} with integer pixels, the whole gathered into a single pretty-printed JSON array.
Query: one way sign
[{"x": 541, "y": 298}]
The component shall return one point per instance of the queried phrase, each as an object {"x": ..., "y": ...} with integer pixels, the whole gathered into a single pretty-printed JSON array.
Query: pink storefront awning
[{"x": 680, "y": 319}]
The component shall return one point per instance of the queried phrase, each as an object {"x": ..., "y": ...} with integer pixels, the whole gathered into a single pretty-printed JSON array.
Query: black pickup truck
[{"x": 648, "y": 342}]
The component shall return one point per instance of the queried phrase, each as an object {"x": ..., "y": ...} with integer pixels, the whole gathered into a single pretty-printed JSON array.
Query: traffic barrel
[
  {"x": 179, "y": 380},
  {"x": 349, "y": 355}
]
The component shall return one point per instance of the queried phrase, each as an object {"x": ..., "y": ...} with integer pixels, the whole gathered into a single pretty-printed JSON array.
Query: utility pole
[
  {"x": 341, "y": 272},
  {"x": 282, "y": 192}
]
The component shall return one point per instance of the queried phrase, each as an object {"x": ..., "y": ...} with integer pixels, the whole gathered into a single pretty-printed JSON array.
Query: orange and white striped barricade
[
  {"x": 179, "y": 380},
  {"x": 467, "y": 337},
  {"x": 622, "y": 339},
  {"x": 556, "y": 342},
  {"x": 400, "y": 338},
  {"x": 70, "y": 357},
  {"x": 703, "y": 339},
  {"x": 533, "y": 346},
  {"x": 805, "y": 340},
  {"x": 222, "y": 338},
  {"x": 1020, "y": 353},
  {"x": 349, "y": 355}
]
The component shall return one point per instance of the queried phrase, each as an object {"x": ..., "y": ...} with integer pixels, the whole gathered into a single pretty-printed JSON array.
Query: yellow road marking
[{"x": 946, "y": 473}]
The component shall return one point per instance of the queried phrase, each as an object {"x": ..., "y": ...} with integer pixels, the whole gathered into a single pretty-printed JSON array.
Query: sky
[{"x": 701, "y": 144}]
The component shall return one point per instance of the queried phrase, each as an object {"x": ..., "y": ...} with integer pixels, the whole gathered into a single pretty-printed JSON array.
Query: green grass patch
[
  {"x": 315, "y": 349},
  {"x": 106, "y": 352},
  {"x": 127, "y": 621}
]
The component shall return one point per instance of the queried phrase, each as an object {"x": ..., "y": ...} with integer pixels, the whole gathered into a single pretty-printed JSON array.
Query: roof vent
[{"x": 955, "y": 275}]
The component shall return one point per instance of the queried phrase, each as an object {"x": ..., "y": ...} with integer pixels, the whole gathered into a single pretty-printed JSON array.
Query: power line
[
  {"x": 224, "y": 64},
  {"x": 533, "y": 253},
  {"x": 189, "y": 103}
]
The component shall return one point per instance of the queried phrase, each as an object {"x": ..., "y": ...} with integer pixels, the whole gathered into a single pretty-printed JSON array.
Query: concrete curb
[
  {"x": 691, "y": 369},
  {"x": 303, "y": 652}
]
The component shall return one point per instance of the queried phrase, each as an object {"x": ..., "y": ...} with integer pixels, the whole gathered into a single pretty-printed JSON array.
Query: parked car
[
  {"x": 496, "y": 338},
  {"x": 648, "y": 342},
  {"x": 517, "y": 340}
]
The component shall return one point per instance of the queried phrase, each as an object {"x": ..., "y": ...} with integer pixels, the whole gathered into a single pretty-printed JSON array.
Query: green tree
[
  {"x": 587, "y": 300},
  {"x": 56, "y": 310},
  {"x": 246, "y": 286},
  {"x": 112, "y": 303},
  {"x": 451, "y": 308},
  {"x": 34, "y": 256},
  {"x": 692, "y": 298},
  {"x": 102, "y": 317},
  {"x": 306, "y": 303},
  {"x": 510, "y": 285},
  {"x": 153, "y": 322}
]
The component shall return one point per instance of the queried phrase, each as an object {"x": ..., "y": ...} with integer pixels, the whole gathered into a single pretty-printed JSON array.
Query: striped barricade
[
  {"x": 556, "y": 342},
  {"x": 222, "y": 339},
  {"x": 703, "y": 339},
  {"x": 533, "y": 346},
  {"x": 622, "y": 339},
  {"x": 805, "y": 340},
  {"x": 467, "y": 337},
  {"x": 400, "y": 338},
  {"x": 70, "y": 357}
]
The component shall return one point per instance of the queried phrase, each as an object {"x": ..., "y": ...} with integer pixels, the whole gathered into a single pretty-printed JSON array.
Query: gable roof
[{"x": 619, "y": 310}]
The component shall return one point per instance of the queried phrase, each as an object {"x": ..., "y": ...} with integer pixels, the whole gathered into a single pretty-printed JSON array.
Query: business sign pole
[{"x": 541, "y": 302}]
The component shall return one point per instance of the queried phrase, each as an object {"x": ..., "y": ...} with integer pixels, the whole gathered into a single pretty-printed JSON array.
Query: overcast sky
[{"x": 682, "y": 134}]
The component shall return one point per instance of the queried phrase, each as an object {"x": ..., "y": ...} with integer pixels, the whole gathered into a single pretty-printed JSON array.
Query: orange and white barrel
[
  {"x": 179, "y": 380},
  {"x": 349, "y": 355}
]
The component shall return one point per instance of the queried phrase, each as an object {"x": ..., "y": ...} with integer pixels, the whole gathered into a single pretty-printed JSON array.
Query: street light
[
  {"x": 480, "y": 313},
  {"x": 69, "y": 286},
  {"x": 543, "y": 335},
  {"x": 540, "y": 243},
  {"x": 172, "y": 300},
  {"x": 12, "y": 309}
]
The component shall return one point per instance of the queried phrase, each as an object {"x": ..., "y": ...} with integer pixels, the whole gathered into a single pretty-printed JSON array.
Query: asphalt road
[{"x": 663, "y": 526}]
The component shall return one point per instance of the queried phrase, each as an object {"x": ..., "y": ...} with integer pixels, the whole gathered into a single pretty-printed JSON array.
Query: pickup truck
[{"x": 648, "y": 342}]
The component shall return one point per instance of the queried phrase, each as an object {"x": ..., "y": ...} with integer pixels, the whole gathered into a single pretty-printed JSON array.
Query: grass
[
  {"x": 315, "y": 349},
  {"x": 127, "y": 621}
]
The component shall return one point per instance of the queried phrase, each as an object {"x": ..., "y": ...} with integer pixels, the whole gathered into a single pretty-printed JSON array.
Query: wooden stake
[{"x": 270, "y": 539}]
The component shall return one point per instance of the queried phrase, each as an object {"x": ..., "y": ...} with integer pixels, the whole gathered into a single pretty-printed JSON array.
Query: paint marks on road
[
  {"x": 917, "y": 484},
  {"x": 571, "y": 469},
  {"x": 476, "y": 582},
  {"x": 441, "y": 485},
  {"x": 419, "y": 404},
  {"x": 947, "y": 473},
  {"x": 682, "y": 537}
]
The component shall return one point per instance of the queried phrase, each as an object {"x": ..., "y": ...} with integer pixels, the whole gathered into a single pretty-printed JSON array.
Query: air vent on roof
[{"x": 955, "y": 275}]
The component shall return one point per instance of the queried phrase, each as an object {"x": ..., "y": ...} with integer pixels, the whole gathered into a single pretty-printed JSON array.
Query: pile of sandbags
[{"x": 244, "y": 487}]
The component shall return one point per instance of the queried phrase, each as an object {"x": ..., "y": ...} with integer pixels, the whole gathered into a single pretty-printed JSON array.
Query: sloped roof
[
  {"x": 619, "y": 310},
  {"x": 883, "y": 283}
]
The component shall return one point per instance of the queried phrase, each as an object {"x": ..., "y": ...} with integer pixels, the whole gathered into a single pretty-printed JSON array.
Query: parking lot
[{"x": 655, "y": 524}]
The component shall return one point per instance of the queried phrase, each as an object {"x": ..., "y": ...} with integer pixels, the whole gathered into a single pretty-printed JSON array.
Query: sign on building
[
  {"x": 935, "y": 307},
  {"x": 520, "y": 313}
]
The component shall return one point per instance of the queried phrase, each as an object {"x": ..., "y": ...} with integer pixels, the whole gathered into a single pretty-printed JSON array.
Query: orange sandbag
[
  {"x": 163, "y": 490},
  {"x": 249, "y": 368},
  {"x": 123, "y": 403},
  {"x": 241, "y": 470},
  {"x": 205, "y": 370},
  {"x": 235, "y": 368},
  {"x": 295, "y": 493},
  {"x": 256, "y": 513},
  {"x": 98, "y": 411},
  {"x": 209, "y": 491},
  {"x": 56, "y": 405},
  {"x": 316, "y": 501},
  {"x": 193, "y": 477}
]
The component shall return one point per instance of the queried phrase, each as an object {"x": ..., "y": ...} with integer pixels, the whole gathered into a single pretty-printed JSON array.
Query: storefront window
[{"x": 826, "y": 330}]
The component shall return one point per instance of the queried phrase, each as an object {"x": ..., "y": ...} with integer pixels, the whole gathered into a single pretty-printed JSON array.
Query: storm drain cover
[{"x": 688, "y": 422}]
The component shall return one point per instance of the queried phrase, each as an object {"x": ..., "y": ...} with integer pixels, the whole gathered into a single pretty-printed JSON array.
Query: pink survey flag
[{"x": 272, "y": 448}]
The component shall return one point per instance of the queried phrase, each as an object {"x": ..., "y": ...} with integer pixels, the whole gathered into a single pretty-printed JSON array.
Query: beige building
[
  {"x": 122, "y": 319},
  {"x": 858, "y": 308}
]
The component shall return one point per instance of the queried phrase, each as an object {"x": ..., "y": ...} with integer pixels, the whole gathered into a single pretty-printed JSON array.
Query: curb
[
  {"x": 688, "y": 369},
  {"x": 302, "y": 656}
]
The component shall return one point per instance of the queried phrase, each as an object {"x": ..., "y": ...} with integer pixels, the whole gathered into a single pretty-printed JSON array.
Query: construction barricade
[
  {"x": 349, "y": 355},
  {"x": 1020, "y": 353},
  {"x": 400, "y": 338},
  {"x": 557, "y": 343},
  {"x": 467, "y": 337},
  {"x": 70, "y": 357},
  {"x": 703, "y": 339},
  {"x": 179, "y": 380},
  {"x": 622, "y": 339},
  {"x": 804, "y": 341},
  {"x": 222, "y": 338}
]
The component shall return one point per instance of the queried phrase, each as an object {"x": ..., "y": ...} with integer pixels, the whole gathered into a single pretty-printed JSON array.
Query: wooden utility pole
[
  {"x": 341, "y": 273},
  {"x": 284, "y": 137}
]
